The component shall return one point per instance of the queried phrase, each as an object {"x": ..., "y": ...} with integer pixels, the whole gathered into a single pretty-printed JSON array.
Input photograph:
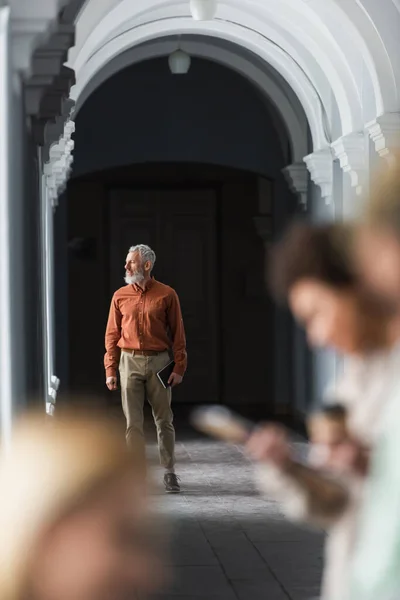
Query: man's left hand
[{"x": 175, "y": 379}]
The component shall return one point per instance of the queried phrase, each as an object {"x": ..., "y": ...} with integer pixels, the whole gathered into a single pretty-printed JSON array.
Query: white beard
[{"x": 134, "y": 279}]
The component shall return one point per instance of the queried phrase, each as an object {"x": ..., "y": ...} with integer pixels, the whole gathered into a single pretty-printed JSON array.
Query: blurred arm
[{"x": 306, "y": 494}]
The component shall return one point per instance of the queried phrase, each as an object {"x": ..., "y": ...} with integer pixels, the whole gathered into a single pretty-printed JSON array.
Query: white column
[
  {"x": 46, "y": 267},
  {"x": 55, "y": 175},
  {"x": 34, "y": 41},
  {"x": 297, "y": 177},
  {"x": 48, "y": 301},
  {"x": 6, "y": 350}
]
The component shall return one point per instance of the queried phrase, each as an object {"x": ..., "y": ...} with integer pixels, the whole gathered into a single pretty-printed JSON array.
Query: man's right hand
[{"x": 111, "y": 383}]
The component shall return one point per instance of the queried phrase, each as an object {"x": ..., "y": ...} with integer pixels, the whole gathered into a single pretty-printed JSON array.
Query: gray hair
[{"x": 146, "y": 253}]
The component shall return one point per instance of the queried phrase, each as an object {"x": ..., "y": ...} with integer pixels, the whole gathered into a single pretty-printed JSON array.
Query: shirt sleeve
[
  {"x": 113, "y": 335},
  {"x": 175, "y": 322}
]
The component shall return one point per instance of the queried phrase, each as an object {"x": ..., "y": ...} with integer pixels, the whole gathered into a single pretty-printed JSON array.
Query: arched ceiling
[
  {"x": 285, "y": 103},
  {"x": 338, "y": 60}
]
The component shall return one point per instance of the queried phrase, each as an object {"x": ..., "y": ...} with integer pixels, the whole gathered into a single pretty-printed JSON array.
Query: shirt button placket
[{"x": 141, "y": 322}]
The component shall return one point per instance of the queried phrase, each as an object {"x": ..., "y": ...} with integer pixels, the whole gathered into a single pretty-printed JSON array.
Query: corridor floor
[{"x": 228, "y": 543}]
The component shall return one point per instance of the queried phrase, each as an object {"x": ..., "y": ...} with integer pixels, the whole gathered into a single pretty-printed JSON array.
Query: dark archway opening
[
  {"x": 206, "y": 153},
  {"x": 202, "y": 222}
]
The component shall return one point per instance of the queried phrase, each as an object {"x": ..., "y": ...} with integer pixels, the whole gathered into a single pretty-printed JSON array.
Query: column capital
[
  {"x": 42, "y": 34},
  {"x": 32, "y": 23},
  {"x": 297, "y": 177},
  {"x": 62, "y": 126},
  {"x": 320, "y": 166},
  {"x": 60, "y": 158},
  {"x": 385, "y": 133},
  {"x": 351, "y": 150},
  {"x": 46, "y": 103}
]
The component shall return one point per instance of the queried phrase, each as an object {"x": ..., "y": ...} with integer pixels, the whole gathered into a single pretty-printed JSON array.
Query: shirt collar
[{"x": 149, "y": 285}]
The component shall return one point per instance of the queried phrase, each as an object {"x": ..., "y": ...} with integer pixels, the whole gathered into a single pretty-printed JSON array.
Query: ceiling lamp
[
  {"x": 179, "y": 62},
  {"x": 203, "y": 10}
]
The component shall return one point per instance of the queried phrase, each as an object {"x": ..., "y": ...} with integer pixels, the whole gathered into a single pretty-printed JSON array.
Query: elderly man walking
[{"x": 144, "y": 330}]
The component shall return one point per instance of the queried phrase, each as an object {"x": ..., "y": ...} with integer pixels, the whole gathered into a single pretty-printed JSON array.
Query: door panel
[{"x": 180, "y": 225}]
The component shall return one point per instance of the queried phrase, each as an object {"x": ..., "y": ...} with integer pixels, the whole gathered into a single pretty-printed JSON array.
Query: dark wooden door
[{"x": 180, "y": 225}]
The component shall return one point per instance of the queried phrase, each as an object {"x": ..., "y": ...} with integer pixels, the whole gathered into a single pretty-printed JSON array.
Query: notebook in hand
[{"x": 166, "y": 373}]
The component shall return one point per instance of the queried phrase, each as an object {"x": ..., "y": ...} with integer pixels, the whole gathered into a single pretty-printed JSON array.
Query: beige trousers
[{"x": 139, "y": 380}]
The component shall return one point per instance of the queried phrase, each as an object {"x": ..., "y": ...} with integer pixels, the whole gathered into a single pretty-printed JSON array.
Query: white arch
[
  {"x": 294, "y": 120},
  {"x": 334, "y": 52},
  {"x": 272, "y": 54},
  {"x": 358, "y": 22},
  {"x": 308, "y": 31},
  {"x": 381, "y": 26},
  {"x": 256, "y": 20}
]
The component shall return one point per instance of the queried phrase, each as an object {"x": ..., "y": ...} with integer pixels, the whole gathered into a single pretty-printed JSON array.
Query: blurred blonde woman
[
  {"x": 73, "y": 514},
  {"x": 312, "y": 270},
  {"x": 375, "y": 572}
]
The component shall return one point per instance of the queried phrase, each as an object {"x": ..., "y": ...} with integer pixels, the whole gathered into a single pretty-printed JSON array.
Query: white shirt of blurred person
[
  {"x": 144, "y": 328},
  {"x": 74, "y": 514},
  {"x": 311, "y": 270},
  {"x": 375, "y": 573}
]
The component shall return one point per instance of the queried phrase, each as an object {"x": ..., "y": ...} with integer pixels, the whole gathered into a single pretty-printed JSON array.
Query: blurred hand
[
  {"x": 111, "y": 383},
  {"x": 350, "y": 457},
  {"x": 175, "y": 379},
  {"x": 270, "y": 444}
]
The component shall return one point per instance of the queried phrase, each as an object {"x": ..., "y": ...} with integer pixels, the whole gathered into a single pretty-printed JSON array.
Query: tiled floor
[{"x": 228, "y": 543}]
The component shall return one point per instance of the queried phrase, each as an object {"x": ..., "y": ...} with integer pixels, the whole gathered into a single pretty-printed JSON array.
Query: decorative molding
[
  {"x": 385, "y": 133},
  {"x": 43, "y": 34},
  {"x": 320, "y": 166},
  {"x": 55, "y": 382},
  {"x": 352, "y": 153},
  {"x": 47, "y": 68},
  {"x": 45, "y": 103},
  {"x": 26, "y": 35},
  {"x": 32, "y": 23},
  {"x": 203, "y": 10},
  {"x": 50, "y": 409},
  {"x": 53, "y": 389},
  {"x": 297, "y": 178},
  {"x": 54, "y": 130},
  {"x": 58, "y": 167}
]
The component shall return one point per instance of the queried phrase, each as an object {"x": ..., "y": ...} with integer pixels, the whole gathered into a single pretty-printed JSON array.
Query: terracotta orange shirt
[{"x": 149, "y": 319}]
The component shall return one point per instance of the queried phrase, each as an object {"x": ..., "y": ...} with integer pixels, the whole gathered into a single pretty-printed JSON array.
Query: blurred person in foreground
[
  {"x": 311, "y": 269},
  {"x": 73, "y": 516},
  {"x": 375, "y": 573}
]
